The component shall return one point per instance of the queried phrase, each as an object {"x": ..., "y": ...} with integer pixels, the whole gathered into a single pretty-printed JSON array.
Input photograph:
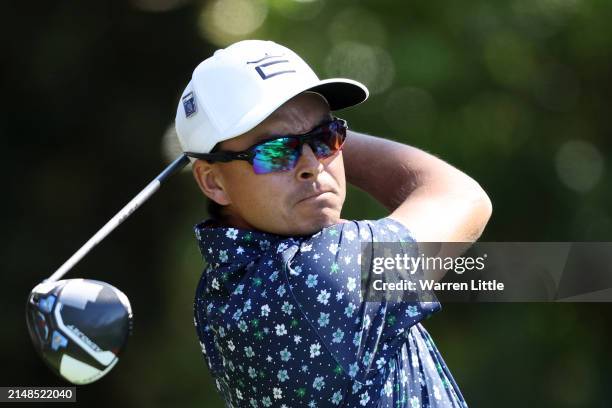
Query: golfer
[{"x": 279, "y": 311}]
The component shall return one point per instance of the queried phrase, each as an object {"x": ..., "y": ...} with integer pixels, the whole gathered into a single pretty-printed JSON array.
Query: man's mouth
[{"x": 315, "y": 195}]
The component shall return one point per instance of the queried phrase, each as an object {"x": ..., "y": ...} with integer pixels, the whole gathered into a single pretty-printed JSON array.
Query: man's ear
[{"x": 210, "y": 182}]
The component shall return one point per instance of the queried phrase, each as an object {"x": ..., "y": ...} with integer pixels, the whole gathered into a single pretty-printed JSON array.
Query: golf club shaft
[{"x": 121, "y": 216}]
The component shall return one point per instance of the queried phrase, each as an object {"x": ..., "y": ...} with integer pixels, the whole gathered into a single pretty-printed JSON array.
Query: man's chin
[{"x": 313, "y": 223}]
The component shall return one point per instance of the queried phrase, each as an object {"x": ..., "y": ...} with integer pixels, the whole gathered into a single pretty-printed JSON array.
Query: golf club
[{"x": 79, "y": 326}]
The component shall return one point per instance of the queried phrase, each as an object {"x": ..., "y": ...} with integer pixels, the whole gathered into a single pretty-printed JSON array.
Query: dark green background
[{"x": 495, "y": 88}]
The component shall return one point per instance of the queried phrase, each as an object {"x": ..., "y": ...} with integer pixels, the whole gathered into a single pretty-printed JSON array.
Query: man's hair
[{"x": 215, "y": 210}]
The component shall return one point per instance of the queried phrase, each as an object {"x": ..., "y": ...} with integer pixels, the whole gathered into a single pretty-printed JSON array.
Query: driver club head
[{"x": 79, "y": 327}]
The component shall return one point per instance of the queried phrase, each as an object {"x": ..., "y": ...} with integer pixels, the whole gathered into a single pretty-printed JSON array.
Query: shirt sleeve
[{"x": 324, "y": 273}]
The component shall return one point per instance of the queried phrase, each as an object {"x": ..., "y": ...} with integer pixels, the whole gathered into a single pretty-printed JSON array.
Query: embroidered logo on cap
[
  {"x": 271, "y": 68},
  {"x": 189, "y": 104}
]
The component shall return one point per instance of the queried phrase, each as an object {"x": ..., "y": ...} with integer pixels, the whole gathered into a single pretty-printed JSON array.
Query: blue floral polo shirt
[{"x": 282, "y": 323}]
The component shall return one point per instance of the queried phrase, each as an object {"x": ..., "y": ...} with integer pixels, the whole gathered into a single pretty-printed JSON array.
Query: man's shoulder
[{"x": 360, "y": 230}]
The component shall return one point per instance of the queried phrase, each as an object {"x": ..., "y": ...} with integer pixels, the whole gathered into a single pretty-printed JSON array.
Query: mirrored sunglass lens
[
  {"x": 329, "y": 142},
  {"x": 275, "y": 155}
]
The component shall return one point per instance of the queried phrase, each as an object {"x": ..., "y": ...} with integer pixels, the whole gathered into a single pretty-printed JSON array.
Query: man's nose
[{"x": 308, "y": 166}]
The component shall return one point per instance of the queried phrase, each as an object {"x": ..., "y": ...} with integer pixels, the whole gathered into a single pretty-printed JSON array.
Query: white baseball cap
[{"x": 238, "y": 87}]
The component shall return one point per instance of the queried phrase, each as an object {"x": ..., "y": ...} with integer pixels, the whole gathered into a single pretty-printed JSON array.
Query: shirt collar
[{"x": 227, "y": 245}]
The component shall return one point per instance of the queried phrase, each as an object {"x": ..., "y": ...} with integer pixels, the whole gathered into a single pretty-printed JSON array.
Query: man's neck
[{"x": 231, "y": 221}]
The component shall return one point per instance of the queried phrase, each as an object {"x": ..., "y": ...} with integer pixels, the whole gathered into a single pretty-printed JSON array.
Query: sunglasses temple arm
[{"x": 121, "y": 216}]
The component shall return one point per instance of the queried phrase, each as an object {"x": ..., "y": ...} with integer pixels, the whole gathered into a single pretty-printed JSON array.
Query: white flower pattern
[{"x": 271, "y": 311}]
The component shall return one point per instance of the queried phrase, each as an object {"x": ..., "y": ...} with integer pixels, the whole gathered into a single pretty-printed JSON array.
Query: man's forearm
[
  {"x": 390, "y": 171},
  {"x": 382, "y": 168},
  {"x": 439, "y": 201}
]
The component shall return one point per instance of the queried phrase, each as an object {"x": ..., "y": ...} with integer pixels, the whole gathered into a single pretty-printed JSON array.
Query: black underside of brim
[{"x": 340, "y": 95}]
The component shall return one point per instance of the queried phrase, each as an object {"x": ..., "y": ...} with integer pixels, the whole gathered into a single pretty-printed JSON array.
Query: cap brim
[{"x": 341, "y": 93}]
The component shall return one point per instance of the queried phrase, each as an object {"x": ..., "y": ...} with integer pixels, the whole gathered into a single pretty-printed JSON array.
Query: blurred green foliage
[{"x": 514, "y": 93}]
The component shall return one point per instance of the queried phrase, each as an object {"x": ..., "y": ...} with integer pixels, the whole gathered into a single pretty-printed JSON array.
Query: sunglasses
[{"x": 282, "y": 153}]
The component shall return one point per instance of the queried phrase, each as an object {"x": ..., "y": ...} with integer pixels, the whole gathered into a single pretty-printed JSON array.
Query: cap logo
[
  {"x": 274, "y": 65},
  {"x": 189, "y": 105}
]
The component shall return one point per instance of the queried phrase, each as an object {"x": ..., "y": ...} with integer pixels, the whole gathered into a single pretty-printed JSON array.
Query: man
[{"x": 278, "y": 310}]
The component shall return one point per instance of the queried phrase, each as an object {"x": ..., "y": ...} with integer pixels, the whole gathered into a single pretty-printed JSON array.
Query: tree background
[{"x": 514, "y": 93}]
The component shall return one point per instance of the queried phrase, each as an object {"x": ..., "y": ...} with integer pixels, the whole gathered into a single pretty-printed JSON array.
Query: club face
[{"x": 78, "y": 327}]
